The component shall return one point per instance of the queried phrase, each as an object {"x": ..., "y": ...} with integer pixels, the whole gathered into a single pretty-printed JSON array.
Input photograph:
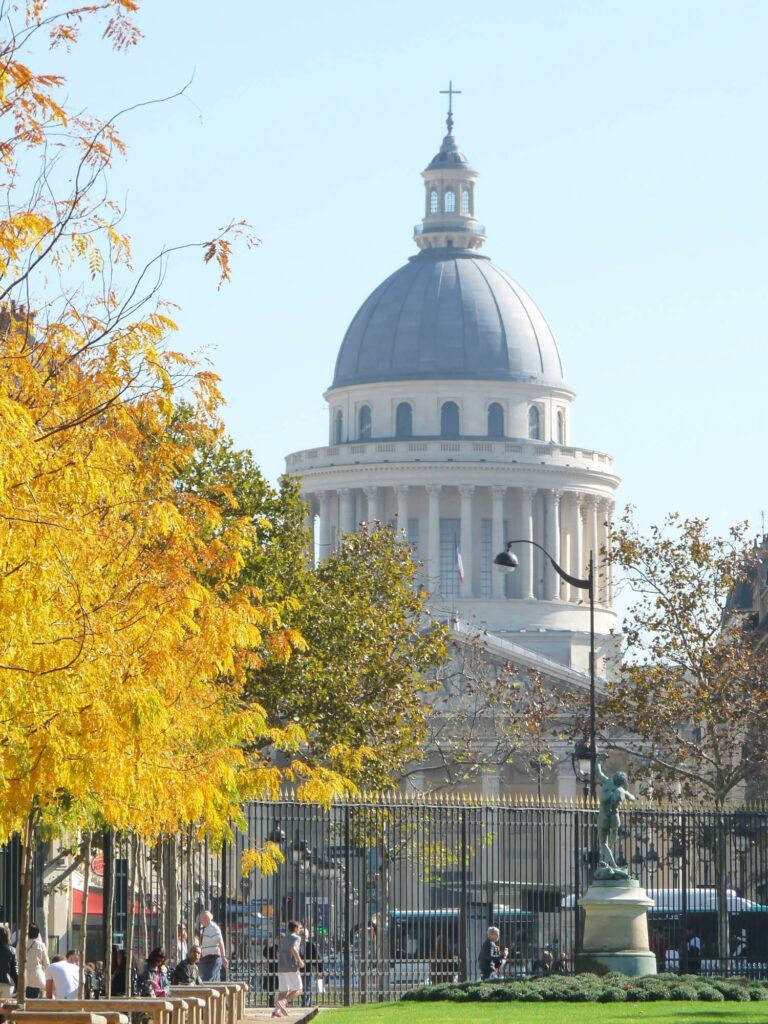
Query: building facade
[{"x": 450, "y": 418}]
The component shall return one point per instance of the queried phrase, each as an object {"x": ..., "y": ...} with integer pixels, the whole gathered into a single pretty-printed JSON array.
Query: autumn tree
[
  {"x": 691, "y": 701},
  {"x": 359, "y": 685},
  {"x": 127, "y": 633}
]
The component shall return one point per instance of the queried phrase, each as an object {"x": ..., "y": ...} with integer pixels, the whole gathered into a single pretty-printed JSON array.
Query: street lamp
[
  {"x": 278, "y": 837},
  {"x": 582, "y": 764},
  {"x": 507, "y": 560}
]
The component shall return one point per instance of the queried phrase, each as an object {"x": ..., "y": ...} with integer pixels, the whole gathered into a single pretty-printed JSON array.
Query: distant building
[{"x": 450, "y": 418}]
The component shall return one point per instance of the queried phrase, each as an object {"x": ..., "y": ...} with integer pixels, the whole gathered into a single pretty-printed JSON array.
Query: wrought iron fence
[{"x": 399, "y": 893}]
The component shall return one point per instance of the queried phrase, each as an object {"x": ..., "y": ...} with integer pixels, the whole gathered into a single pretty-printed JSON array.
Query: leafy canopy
[
  {"x": 128, "y": 633},
  {"x": 692, "y": 697}
]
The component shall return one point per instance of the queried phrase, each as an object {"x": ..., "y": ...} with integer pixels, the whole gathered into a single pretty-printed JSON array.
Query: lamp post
[
  {"x": 581, "y": 759},
  {"x": 508, "y": 560},
  {"x": 277, "y": 836}
]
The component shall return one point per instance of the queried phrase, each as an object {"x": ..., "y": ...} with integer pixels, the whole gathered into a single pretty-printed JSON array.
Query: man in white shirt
[
  {"x": 213, "y": 956},
  {"x": 62, "y": 977}
]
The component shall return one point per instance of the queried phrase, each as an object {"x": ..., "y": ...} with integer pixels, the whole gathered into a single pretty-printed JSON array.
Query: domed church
[{"x": 450, "y": 418}]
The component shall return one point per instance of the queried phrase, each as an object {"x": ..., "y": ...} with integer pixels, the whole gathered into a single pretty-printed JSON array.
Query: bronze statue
[{"x": 612, "y": 792}]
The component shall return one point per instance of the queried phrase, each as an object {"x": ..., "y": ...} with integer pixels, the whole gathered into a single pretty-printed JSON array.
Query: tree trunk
[
  {"x": 27, "y": 849},
  {"x": 162, "y": 897},
  {"x": 130, "y": 919},
  {"x": 84, "y": 914},
  {"x": 142, "y": 887},
  {"x": 109, "y": 871}
]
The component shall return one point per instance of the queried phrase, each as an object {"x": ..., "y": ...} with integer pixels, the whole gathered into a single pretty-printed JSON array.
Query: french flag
[{"x": 459, "y": 563}]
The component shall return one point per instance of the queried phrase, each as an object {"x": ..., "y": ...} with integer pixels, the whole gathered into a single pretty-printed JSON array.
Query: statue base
[{"x": 616, "y": 929}]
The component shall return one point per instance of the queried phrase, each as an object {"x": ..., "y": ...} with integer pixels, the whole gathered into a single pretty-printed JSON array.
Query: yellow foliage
[{"x": 125, "y": 633}]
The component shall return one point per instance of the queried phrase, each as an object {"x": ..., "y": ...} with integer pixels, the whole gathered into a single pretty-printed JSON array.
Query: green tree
[{"x": 358, "y": 685}]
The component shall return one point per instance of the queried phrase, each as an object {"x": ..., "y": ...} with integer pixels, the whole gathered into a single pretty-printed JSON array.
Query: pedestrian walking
[
  {"x": 37, "y": 961},
  {"x": 289, "y": 966},
  {"x": 212, "y": 953},
  {"x": 491, "y": 958}
]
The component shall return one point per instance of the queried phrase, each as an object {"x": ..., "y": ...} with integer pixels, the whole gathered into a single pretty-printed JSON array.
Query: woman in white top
[{"x": 37, "y": 961}]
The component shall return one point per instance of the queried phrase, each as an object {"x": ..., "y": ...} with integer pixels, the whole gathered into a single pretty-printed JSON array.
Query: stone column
[
  {"x": 609, "y": 510},
  {"x": 347, "y": 522},
  {"x": 591, "y": 540},
  {"x": 498, "y": 540},
  {"x": 526, "y": 552},
  {"x": 552, "y": 544},
  {"x": 401, "y": 492},
  {"x": 578, "y": 559},
  {"x": 433, "y": 538},
  {"x": 372, "y": 501},
  {"x": 324, "y": 545},
  {"x": 602, "y": 567},
  {"x": 465, "y": 543}
]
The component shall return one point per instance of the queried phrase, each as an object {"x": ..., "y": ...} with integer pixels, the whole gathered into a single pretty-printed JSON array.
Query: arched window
[
  {"x": 465, "y": 200},
  {"x": 434, "y": 203},
  {"x": 534, "y": 423},
  {"x": 449, "y": 420},
  {"x": 449, "y": 204},
  {"x": 495, "y": 420},
  {"x": 338, "y": 427},
  {"x": 404, "y": 420},
  {"x": 560, "y": 426},
  {"x": 364, "y": 423}
]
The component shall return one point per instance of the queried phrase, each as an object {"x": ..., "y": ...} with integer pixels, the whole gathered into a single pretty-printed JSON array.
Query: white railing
[{"x": 440, "y": 450}]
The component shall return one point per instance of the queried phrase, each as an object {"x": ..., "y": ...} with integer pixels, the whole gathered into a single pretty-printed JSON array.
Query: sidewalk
[{"x": 298, "y": 1015}]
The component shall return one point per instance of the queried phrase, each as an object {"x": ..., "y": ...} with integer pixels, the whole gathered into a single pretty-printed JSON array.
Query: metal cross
[{"x": 450, "y": 92}]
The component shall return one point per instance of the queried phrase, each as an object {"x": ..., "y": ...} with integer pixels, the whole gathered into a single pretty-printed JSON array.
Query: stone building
[{"x": 450, "y": 417}]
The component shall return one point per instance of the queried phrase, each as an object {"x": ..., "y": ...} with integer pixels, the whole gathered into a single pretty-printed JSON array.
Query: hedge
[{"x": 589, "y": 988}]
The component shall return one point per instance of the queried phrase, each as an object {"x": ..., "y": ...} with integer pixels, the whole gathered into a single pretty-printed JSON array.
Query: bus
[{"x": 425, "y": 946}]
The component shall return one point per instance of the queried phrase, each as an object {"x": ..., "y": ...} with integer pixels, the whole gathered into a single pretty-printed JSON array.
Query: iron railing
[{"x": 397, "y": 893}]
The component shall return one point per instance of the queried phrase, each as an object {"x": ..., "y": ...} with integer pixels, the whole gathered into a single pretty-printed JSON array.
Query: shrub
[
  {"x": 609, "y": 988},
  {"x": 613, "y": 995}
]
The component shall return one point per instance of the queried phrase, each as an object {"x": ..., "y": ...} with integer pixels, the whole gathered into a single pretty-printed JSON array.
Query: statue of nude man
[{"x": 612, "y": 792}]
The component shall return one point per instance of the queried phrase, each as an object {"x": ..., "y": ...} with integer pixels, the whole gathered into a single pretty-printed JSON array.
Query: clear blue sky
[{"x": 623, "y": 156}]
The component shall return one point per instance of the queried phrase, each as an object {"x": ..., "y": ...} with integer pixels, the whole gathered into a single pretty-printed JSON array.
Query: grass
[{"x": 549, "y": 1013}]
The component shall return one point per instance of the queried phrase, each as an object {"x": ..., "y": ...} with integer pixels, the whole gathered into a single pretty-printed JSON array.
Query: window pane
[
  {"x": 404, "y": 420},
  {"x": 449, "y": 569},
  {"x": 449, "y": 420},
  {"x": 364, "y": 426},
  {"x": 433, "y": 201},
  {"x": 560, "y": 427},
  {"x": 338, "y": 428},
  {"x": 450, "y": 202},
  {"x": 495, "y": 420},
  {"x": 486, "y": 557},
  {"x": 533, "y": 423},
  {"x": 465, "y": 200}
]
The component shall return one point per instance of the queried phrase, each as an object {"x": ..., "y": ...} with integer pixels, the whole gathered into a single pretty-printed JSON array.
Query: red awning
[{"x": 95, "y": 902}]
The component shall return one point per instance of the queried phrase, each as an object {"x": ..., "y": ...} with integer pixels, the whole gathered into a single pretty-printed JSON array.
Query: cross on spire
[{"x": 450, "y": 92}]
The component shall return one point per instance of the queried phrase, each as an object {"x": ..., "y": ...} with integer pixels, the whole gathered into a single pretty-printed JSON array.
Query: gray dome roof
[
  {"x": 448, "y": 313},
  {"x": 449, "y": 155}
]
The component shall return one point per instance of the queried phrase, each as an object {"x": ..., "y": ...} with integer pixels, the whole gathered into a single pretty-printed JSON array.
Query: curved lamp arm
[{"x": 508, "y": 560}]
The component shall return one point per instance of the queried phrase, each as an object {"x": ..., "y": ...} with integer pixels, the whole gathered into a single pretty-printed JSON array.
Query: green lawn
[{"x": 664, "y": 1012}]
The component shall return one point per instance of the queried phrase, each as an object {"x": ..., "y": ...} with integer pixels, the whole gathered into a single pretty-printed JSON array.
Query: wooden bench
[
  {"x": 59, "y": 1017},
  {"x": 195, "y": 1004},
  {"x": 161, "y": 1011},
  {"x": 214, "y": 1001},
  {"x": 236, "y": 992},
  {"x": 31, "y": 1016}
]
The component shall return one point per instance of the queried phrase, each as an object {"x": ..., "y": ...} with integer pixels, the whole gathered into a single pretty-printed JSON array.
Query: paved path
[{"x": 298, "y": 1015}]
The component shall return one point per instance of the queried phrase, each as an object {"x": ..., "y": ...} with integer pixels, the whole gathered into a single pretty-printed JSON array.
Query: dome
[{"x": 448, "y": 313}]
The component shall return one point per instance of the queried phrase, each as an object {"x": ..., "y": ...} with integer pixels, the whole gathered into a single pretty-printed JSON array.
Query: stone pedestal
[{"x": 616, "y": 929}]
